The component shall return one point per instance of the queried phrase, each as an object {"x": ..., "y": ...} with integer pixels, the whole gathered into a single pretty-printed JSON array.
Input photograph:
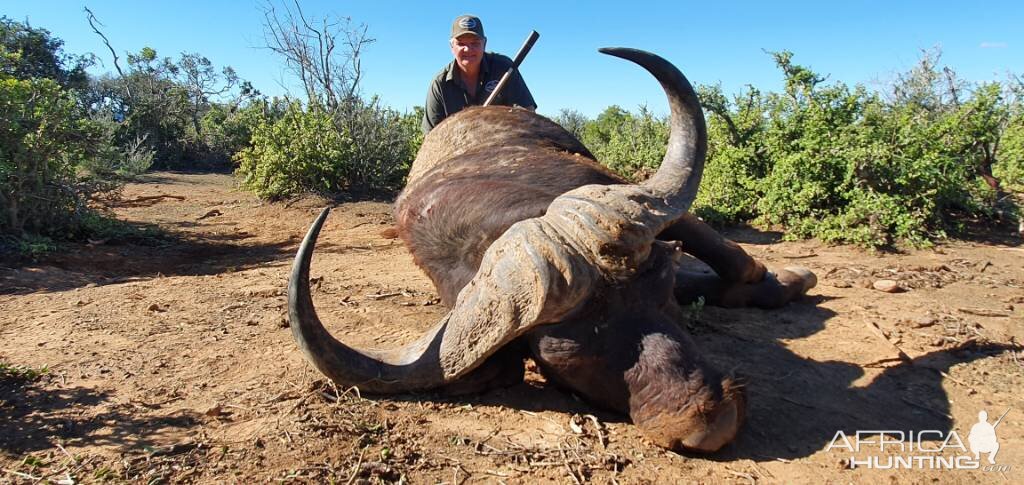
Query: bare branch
[
  {"x": 310, "y": 48},
  {"x": 91, "y": 17}
]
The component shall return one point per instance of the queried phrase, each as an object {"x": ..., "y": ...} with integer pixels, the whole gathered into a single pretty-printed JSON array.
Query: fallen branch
[
  {"x": 983, "y": 312},
  {"x": 153, "y": 197}
]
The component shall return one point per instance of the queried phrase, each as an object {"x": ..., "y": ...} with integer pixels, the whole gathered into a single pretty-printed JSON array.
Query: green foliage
[
  {"x": 632, "y": 145},
  {"x": 171, "y": 107},
  {"x": 31, "y": 52},
  {"x": 849, "y": 167},
  {"x": 228, "y": 129},
  {"x": 42, "y": 137},
  {"x": 112, "y": 162},
  {"x": 838, "y": 163},
  {"x": 33, "y": 246},
  {"x": 54, "y": 159},
  {"x": 1009, "y": 166},
  {"x": 735, "y": 167},
  {"x": 364, "y": 148},
  {"x": 573, "y": 121},
  {"x": 20, "y": 373},
  {"x": 385, "y": 143},
  {"x": 299, "y": 152}
]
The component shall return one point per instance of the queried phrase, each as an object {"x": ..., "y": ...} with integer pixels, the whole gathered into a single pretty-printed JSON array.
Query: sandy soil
[{"x": 171, "y": 362}]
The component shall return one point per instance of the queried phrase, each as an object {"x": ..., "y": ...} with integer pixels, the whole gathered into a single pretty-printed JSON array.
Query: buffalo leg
[{"x": 738, "y": 279}]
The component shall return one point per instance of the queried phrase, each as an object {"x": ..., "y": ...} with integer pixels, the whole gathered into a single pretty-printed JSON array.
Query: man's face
[{"x": 468, "y": 50}]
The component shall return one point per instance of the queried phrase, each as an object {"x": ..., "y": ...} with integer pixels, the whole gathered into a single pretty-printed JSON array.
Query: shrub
[
  {"x": 227, "y": 131},
  {"x": 384, "y": 144},
  {"x": 43, "y": 136},
  {"x": 300, "y": 152},
  {"x": 631, "y": 145},
  {"x": 363, "y": 148},
  {"x": 839, "y": 163},
  {"x": 1010, "y": 166}
]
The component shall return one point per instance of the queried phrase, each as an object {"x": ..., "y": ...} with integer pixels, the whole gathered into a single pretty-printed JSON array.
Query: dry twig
[
  {"x": 983, "y": 312},
  {"x": 878, "y": 331},
  {"x": 355, "y": 469}
]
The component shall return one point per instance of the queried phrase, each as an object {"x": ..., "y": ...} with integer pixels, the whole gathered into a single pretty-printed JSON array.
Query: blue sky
[{"x": 863, "y": 42}]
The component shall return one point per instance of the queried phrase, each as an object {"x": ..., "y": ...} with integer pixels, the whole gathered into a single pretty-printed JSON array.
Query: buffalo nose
[{"x": 719, "y": 432}]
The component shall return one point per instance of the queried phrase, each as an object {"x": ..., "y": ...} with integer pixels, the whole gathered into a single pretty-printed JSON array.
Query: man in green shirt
[{"x": 469, "y": 79}]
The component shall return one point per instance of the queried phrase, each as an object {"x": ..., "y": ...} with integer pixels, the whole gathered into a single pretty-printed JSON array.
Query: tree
[
  {"x": 573, "y": 121},
  {"x": 40, "y": 55},
  {"x": 379, "y": 143},
  {"x": 323, "y": 53},
  {"x": 202, "y": 82}
]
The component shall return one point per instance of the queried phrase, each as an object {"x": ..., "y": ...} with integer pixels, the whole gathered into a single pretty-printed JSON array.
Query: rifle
[{"x": 525, "y": 49}]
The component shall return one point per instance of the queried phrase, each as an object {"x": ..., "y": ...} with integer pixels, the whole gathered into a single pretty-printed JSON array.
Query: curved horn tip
[
  {"x": 623, "y": 52},
  {"x": 319, "y": 222},
  {"x": 300, "y": 269}
]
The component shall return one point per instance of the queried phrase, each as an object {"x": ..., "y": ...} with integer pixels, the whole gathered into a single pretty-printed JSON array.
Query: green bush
[
  {"x": 631, "y": 145},
  {"x": 227, "y": 131},
  {"x": 43, "y": 136},
  {"x": 1010, "y": 166},
  {"x": 385, "y": 143},
  {"x": 837, "y": 163},
  {"x": 54, "y": 159},
  {"x": 360, "y": 150},
  {"x": 300, "y": 152}
]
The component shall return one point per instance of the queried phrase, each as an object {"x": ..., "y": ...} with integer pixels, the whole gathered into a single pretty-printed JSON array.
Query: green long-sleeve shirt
[{"x": 448, "y": 95}]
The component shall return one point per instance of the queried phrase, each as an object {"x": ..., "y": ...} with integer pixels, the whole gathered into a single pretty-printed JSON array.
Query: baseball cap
[{"x": 467, "y": 24}]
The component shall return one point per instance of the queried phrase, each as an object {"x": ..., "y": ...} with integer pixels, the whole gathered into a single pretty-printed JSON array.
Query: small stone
[
  {"x": 154, "y": 307},
  {"x": 923, "y": 321},
  {"x": 841, "y": 284},
  {"x": 939, "y": 342},
  {"x": 887, "y": 286}
]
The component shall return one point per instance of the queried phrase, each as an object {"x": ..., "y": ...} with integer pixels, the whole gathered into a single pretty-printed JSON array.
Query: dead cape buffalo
[{"x": 539, "y": 251}]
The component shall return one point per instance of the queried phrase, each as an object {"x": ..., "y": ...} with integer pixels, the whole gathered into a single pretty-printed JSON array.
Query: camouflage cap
[{"x": 467, "y": 24}]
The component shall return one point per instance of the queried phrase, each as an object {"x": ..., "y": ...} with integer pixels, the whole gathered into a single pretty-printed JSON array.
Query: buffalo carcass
[{"x": 539, "y": 251}]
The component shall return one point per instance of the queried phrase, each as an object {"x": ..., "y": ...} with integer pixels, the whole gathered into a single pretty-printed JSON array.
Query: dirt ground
[{"x": 170, "y": 361}]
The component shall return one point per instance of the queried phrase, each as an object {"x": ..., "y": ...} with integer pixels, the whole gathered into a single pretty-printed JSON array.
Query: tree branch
[{"x": 91, "y": 17}]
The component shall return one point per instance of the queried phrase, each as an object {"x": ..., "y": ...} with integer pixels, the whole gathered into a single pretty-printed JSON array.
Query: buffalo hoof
[
  {"x": 797, "y": 277},
  {"x": 774, "y": 290}
]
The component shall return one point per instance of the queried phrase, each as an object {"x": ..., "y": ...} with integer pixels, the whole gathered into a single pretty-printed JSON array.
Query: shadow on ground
[
  {"x": 36, "y": 416},
  {"x": 797, "y": 404},
  {"x": 78, "y": 265}
]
